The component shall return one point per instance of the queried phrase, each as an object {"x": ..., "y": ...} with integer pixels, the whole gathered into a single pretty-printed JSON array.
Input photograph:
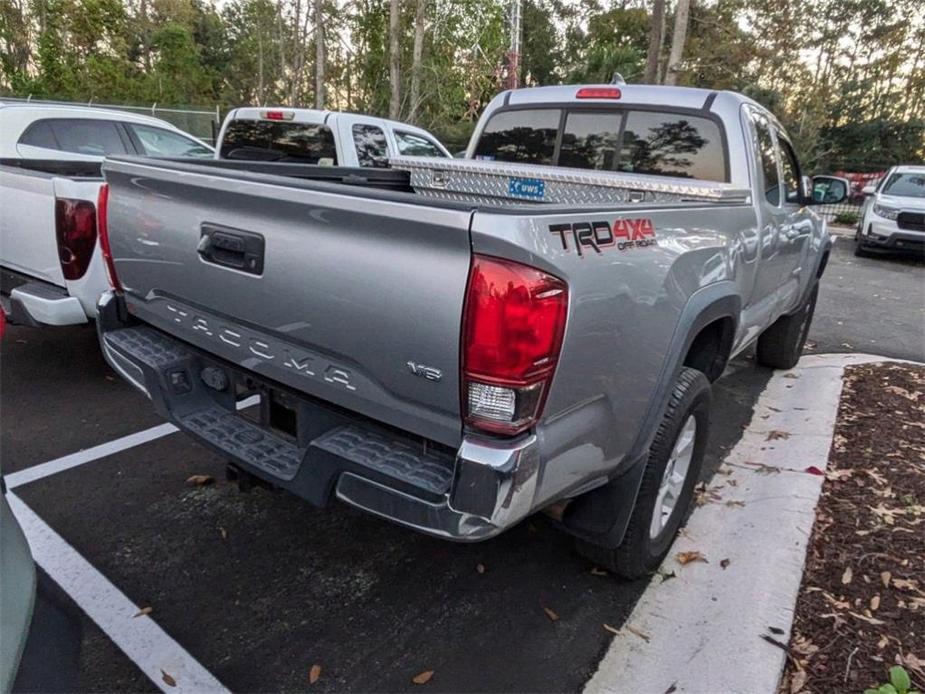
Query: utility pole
[{"x": 512, "y": 76}]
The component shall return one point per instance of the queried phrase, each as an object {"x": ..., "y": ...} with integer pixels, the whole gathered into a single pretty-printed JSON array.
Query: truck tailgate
[{"x": 355, "y": 299}]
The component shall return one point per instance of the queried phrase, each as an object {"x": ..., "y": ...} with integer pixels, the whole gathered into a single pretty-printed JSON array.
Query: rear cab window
[
  {"x": 661, "y": 143},
  {"x": 371, "y": 146},
  {"x": 265, "y": 140}
]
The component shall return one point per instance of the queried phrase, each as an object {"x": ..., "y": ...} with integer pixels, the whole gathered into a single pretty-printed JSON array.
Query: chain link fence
[{"x": 201, "y": 123}]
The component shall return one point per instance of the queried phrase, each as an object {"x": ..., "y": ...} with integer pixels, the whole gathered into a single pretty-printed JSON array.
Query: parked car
[
  {"x": 454, "y": 345},
  {"x": 330, "y": 138},
  {"x": 50, "y": 156},
  {"x": 893, "y": 217}
]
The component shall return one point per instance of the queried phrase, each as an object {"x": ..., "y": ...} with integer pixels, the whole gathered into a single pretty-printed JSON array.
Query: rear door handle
[
  {"x": 792, "y": 234},
  {"x": 232, "y": 248}
]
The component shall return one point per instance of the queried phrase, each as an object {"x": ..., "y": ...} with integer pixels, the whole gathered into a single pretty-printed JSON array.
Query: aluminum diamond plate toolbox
[{"x": 489, "y": 182}]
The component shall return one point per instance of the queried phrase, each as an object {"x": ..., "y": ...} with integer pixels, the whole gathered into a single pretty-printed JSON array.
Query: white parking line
[
  {"x": 37, "y": 472},
  {"x": 161, "y": 658}
]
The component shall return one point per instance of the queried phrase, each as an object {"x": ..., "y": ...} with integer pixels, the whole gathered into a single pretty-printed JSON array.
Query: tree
[
  {"x": 394, "y": 61},
  {"x": 678, "y": 38},
  {"x": 319, "y": 53},
  {"x": 416, "y": 55},
  {"x": 656, "y": 38}
]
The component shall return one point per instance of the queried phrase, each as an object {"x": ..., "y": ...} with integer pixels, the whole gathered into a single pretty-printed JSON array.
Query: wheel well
[{"x": 709, "y": 350}]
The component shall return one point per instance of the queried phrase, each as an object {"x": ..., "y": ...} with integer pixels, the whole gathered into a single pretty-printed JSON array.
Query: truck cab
[{"x": 327, "y": 138}]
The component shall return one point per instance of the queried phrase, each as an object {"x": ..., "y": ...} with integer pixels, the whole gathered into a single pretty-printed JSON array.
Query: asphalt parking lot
[{"x": 258, "y": 587}]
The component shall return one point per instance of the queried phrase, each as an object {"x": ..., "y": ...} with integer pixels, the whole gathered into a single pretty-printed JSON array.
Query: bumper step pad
[
  {"x": 430, "y": 470},
  {"x": 241, "y": 439},
  {"x": 147, "y": 346}
]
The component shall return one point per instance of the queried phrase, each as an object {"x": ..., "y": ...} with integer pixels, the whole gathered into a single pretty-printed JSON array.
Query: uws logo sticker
[{"x": 623, "y": 234}]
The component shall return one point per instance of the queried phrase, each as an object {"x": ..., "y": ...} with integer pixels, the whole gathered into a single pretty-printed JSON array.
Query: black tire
[
  {"x": 639, "y": 554},
  {"x": 781, "y": 345},
  {"x": 859, "y": 249}
]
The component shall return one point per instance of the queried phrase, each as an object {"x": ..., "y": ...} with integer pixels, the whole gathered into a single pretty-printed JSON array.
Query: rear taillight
[
  {"x": 102, "y": 206},
  {"x": 513, "y": 322},
  {"x": 75, "y": 226}
]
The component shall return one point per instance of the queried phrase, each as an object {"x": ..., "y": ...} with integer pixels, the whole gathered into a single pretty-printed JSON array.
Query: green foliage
[
  {"x": 846, "y": 77},
  {"x": 847, "y": 219},
  {"x": 899, "y": 683}
]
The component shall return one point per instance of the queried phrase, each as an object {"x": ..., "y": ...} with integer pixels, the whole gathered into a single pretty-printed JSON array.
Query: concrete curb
[{"x": 701, "y": 631}]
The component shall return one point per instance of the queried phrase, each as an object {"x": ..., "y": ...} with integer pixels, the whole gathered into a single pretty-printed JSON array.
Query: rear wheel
[
  {"x": 781, "y": 345},
  {"x": 672, "y": 469}
]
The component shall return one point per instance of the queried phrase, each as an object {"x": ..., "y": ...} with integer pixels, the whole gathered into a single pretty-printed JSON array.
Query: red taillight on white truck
[
  {"x": 102, "y": 206},
  {"x": 513, "y": 322},
  {"x": 75, "y": 227}
]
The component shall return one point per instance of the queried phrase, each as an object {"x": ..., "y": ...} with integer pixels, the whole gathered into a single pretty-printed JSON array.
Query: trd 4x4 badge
[{"x": 624, "y": 234}]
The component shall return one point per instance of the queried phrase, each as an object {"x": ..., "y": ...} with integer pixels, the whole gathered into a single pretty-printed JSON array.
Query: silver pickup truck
[{"x": 456, "y": 344}]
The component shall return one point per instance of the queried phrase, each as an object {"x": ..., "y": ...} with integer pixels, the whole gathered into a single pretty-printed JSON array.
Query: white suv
[{"x": 893, "y": 218}]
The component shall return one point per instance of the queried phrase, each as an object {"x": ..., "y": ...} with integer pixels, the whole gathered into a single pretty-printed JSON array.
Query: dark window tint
[
  {"x": 40, "y": 135},
  {"x": 79, "y": 135},
  {"x": 672, "y": 144},
  {"x": 520, "y": 136},
  {"x": 416, "y": 145},
  {"x": 767, "y": 156},
  {"x": 591, "y": 141},
  {"x": 158, "y": 142},
  {"x": 910, "y": 185},
  {"x": 371, "y": 146},
  {"x": 258, "y": 140},
  {"x": 791, "y": 172}
]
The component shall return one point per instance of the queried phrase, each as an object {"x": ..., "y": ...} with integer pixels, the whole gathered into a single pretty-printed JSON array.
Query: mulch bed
[{"x": 861, "y": 607}]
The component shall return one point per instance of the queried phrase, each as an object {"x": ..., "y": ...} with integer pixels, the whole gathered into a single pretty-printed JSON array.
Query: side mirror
[
  {"x": 830, "y": 190},
  {"x": 869, "y": 190}
]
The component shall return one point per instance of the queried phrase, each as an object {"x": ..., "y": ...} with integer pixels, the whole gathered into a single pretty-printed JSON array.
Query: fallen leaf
[
  {"x": 144, "y": 611},
  {"x": 723, "y": 563},
  {"x": 199, "y": 480},
  {"x": 797, "y": 681},
  {"x": 612, "y": 630},
  {"x": 423, "y": 678},
  {"x": 692, "y": 556},
  {"x": 672, "y": 689},
  {"x": 731, "y": 504},
  {"x": 875, "y": 603},
  {"x": 168, "y": 680},
  {"x": 480, "y": 568},
  {"x": 314, "y": 673},
  {"x": 869, "y": 620},
  {"x": 597, "y": 572},
  {"x": 847, "y": 576},
  {"x": 553, "y": 617},
  {"x": 791, "y": 375},
  {"x": 813, "y": 470},
  {"x": 636, "y": 632},
  {"x": 776, "y": 630},
  {"x": 223, "y": 532},
  {"x": 775, "y": 434}
]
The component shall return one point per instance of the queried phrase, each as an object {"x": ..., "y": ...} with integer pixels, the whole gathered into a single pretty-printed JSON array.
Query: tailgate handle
[{"x": 232, "y": 248}]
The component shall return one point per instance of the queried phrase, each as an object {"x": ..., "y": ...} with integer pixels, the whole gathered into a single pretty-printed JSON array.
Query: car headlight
[{"x": 886, "y": 212}]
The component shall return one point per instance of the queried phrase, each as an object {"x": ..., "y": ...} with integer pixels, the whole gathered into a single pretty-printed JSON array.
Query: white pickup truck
[
  {"x": 50, "y": 156},
  {"x": 331, "y": 138}
]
